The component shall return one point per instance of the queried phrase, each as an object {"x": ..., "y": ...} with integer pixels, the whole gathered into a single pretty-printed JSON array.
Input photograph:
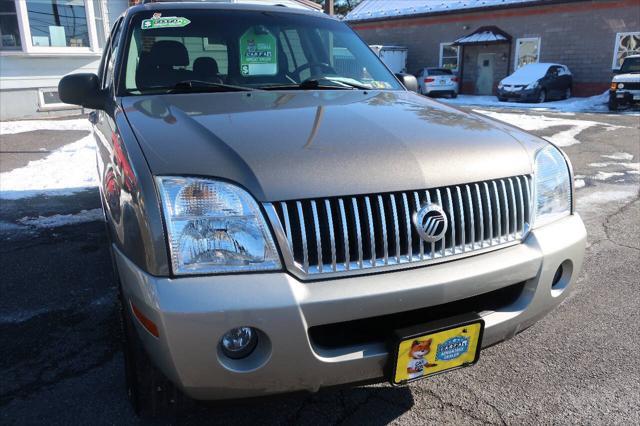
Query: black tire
[
  {"x": 454, "y": 95},
  {"x": 613, "y": 104},
  {"x": 502, "y": 99},
  {"x": 568, "y": 93},
  {"x": 151, "y": 394},
  {"x": 542, "y": 96}
]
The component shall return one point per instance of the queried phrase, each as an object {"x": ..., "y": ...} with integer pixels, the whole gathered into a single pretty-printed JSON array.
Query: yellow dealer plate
[{"x": 442, "y": 346}]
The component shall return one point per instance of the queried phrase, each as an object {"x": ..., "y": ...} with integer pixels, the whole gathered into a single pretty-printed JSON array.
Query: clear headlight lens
[
  {"x": 500, "y": 85},
  {"x": 532, "y": 85},
  {"x": 552, "y": 186},
  {"x": 214, "y": 227}
]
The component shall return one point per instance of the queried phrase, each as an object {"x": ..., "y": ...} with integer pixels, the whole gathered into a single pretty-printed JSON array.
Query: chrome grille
[{"x": 360, "y": 233}]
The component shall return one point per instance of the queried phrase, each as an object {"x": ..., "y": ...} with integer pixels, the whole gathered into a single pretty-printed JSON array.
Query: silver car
[
  {"x": 283, "y": 217},
  {"x": 438, "y": 82}
]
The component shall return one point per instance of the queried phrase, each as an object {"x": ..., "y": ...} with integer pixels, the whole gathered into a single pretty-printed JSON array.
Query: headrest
[
  {"x": 205, "y": 65},
  {"x": 169, "y": 53}
]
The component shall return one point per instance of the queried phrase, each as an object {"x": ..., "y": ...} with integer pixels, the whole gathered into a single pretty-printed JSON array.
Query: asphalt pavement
[{"x": 61, "y": 360}]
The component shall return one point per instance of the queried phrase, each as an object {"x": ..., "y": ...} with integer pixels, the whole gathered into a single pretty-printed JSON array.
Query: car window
[
  {"x": 440, "y": 71},
  {"x": 107, "y": 67},
  {"x": 246, "y": 48},
  {"x": 553, "y": 71}
]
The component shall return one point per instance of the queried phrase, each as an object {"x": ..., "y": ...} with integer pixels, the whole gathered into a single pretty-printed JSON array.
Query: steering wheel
[{"x": 323, "y": 66}]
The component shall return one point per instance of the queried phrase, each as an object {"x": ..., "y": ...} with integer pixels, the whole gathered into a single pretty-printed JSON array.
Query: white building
[{"x": 41, "y": 41}]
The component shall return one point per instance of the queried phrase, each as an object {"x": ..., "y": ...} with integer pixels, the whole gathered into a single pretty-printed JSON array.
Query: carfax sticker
[
  {"x": 258, "y": 52},
  {"x": 157, "y": 21}
]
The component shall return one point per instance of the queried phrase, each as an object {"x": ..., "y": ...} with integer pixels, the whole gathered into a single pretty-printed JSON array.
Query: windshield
[
  {"x": 235, "y": 49},
  {"x": 631, "y": 65}
]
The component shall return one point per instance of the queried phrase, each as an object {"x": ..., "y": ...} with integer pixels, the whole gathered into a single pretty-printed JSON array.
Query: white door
[{"x": 484, "y": 79}]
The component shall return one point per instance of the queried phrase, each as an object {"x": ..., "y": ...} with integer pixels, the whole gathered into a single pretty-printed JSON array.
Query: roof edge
[{"x": 532, "y": 3}]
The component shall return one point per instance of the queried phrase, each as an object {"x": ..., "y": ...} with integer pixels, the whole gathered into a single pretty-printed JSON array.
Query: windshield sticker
[
  {"x": 258, "y": 52},
  {"x": 157, "y": 21}
]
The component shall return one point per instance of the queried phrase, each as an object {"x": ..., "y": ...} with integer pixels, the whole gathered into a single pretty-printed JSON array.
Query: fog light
[{"x": 239, "y": 342}]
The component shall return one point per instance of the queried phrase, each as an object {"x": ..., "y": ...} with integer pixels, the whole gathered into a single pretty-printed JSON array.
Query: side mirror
[
  {"x": 408, "y": 81},
  {"x": 82, "y": 89}
]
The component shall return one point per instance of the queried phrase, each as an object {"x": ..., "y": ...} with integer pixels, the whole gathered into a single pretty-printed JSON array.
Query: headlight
[
  {"x": 214, "y": 227},
  {"x": 532, "y": 85},
  {"x": 620, "y": 85},
  {"x": 552, "y": 186},
  {"x": 500, "y": 85}
]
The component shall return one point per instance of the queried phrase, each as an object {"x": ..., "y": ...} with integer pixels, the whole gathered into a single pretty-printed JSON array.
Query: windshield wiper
[
  {"x": 316, "y": 84},
  {"x": 193, "y": 86}
]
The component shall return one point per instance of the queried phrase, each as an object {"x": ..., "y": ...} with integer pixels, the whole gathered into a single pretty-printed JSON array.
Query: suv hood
[
  {"x": 627, "y": 78},
  {"x": 303, "y": 144}
]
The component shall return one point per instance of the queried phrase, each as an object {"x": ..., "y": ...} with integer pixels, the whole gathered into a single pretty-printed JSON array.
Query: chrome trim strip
[
  {"x": 396, "y": 226},
  {"x": 316, "y": 225},
  {"x": 472, "y": 218},
  {"x": 383, "y": 221},
  {"x": 433, "y": 245},
  {"x": 452, "y": 215},
  {"x": 463, "y": 236},
  {"x": 287, "y": 224},
  {"x": 372, "y": 236},
  {"x": 514, "y": 210},
  {"x": 407, "y": 218},
  {"x": 356, "y": 215},
  {"x": 490, "y": 210},
  {"x": 332, "y": 237},
  {"x": 444, "y": 240},
  {"x": 345, "y": 234},
  {"x": 420, "y": 242},
  {"x": 520, "y": 197},
  {"x": 303, "y": 234},
  {"x": 506, "y": 213},
  {"x": 481, "y": 212},
  {"x": 498, "y": 210}
]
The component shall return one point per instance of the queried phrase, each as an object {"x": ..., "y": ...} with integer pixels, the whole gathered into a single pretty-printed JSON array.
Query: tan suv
[{"x": 286, "y": 218}]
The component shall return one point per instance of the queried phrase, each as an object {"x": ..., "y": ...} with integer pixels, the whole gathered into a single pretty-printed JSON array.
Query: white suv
[{"x": 625, "y": 87}]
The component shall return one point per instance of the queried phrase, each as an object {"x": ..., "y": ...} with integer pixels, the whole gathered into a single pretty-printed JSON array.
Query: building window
[
  {"x": 449, "y": 56},
  {"x": 626, "y": 44},
  {"x": 58, "y": 23},
  {"x": 98, "y": 16},
  {"x": 9, "y": 29},
  {"x": 527, "y": 51}
]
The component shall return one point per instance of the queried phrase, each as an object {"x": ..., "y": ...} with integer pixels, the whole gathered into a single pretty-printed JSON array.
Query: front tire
[
  {"x": 151, "y": 394},
  {"x": 568, "y": 93},
  {"x": 613, "y": 104},
  {"x": 454, "y": 95},
  {"x": 542, "y": 96}
]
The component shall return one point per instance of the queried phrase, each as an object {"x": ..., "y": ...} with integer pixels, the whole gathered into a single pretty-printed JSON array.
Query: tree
[{"x": 342, "y": 7}]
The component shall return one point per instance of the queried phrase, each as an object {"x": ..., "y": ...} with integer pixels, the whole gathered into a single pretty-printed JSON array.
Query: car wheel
[
  {"x": 613, "y": 104},
  {"x": 567, "y": 93},
  {"x": 151, "y": 394},
  {"x": 454, "y": 95},
  {"x": 502, "y": 99},
  {"x": 542, "y": 96}
]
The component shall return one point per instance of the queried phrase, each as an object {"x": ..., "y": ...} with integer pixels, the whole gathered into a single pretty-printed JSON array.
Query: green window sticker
[
  {"x": 258, "y": 52},
  {"x": 158, "y": 21}
]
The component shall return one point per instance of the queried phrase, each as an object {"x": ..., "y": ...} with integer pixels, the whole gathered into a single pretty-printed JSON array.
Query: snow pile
[
  {"x": 539, "y": 122},
  {"x": 63, "y": 219},
  {"x": 619, "y": 156},
  {"x": 12, "y": 127},
  {"x": 377, "y": 9},
  {"x": 596, "y": 103},
  {"x": 65, "y": 171}
]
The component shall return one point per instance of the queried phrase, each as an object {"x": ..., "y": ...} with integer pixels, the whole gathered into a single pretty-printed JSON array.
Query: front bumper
[
  {"x": 625, "y": 97},
  {"x": 520, "y": 95},
  {"x": 192, "y": 313}
]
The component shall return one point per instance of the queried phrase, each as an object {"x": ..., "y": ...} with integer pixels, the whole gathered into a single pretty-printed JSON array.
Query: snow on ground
[
  {"x": 12, "y": 127},
  {"x": 539, "y": 122},
  {"x": 67, "y": 170},
  {"x": 596, "y": 103},
  {"x": 619, "y": 156},
  {"x": 63, "y": 219}
]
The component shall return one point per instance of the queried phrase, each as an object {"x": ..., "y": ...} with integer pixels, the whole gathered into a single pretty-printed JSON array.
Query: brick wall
[{"x": 578, "y": 34}]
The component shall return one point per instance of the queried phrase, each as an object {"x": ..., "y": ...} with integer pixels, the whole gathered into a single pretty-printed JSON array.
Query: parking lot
[{"x": 60, "y": 356}]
